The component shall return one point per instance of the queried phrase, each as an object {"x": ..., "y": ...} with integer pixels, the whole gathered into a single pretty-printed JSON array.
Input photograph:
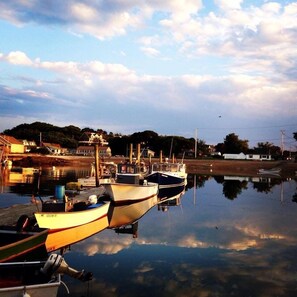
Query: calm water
[{"x": 226, "y": 236}]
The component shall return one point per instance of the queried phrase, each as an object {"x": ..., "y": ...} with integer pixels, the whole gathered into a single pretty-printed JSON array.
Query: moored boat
[
  {"x": 107, "y": 172},
  {"x": 167, "y": 174},
  {"x": 81, "y": 213},
  {"x": 122, "y": 193},
  {"x": 37, "y": 278},
  {"x": 17, "y": 241},
  {"x": 27, "y": 279},
  {"x": 62, "y": 238}
]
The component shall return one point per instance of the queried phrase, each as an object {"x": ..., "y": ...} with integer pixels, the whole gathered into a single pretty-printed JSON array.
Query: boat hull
[
  {"x": 121, "y": 193},
  {"x": 17, "y": 244},
  {"x": 166, "y": 180},
  {"x": 40, "y": 290},
  {"x": 69, "y": 219},
  {"x": 63, "y": 238},
  {"x": 18, "y": 278}
]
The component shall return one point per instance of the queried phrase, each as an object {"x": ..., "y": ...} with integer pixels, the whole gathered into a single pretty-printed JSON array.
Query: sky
[{"x": 176, "y": 67}]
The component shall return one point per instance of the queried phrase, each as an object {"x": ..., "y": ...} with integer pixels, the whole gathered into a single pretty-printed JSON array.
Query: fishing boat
[
  {"x": 26, "y": 279},
  {"x": 107, "y": 172},
  {"x": 79, "y": 214},
  {"x": 19, "y": 241},
  {"x": 130, "y": 184},
  {"x": 125, "y": 193},
  {"x": 168, "y": 174},
  {"x": 58, "y": 239},
  {"x": 37, "y": 278}
]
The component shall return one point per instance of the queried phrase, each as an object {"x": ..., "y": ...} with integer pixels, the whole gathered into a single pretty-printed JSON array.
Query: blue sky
[{"x": 170, "y": 66}]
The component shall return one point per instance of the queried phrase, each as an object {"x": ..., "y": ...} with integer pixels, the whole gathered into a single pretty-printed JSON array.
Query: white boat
[
  {"x": 106, "y": 175},
  {"x": 123, "y": 193},
  {"x": 130, "y": 185},
  {"x": 13, "y": 285},
  {"x": 90, "y": 181},
  {"x": 272, "y": 171},
  {"x": 81, "y": 214},
  {"x": 37, "y": 278}
]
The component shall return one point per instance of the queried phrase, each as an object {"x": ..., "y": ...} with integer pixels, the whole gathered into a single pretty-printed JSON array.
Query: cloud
[
  {"x": 249, "y": 33},
  {"x": 227, "y": 5},
  {"x": 16, "y": 58},
  {"x": 235, "y": 56},
  {"x": 149, "y": 51},
  {"x": 80, "y": 84}
]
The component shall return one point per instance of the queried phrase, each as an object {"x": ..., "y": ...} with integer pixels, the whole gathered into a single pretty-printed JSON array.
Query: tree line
[{"x": 70, "y": 137}]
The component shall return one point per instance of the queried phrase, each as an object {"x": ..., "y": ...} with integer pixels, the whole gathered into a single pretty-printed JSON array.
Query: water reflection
[
  {"x": 128, "y": 214},
  {"x": 233, "y": 186},
  {"x": 215, "y": 247},
  {"x": 226, "y": 236}
]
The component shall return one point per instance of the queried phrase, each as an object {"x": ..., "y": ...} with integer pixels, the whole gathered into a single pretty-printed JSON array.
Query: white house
[
  {"x": 258, "y": 157},
  {"x": 242, "y": 156}
]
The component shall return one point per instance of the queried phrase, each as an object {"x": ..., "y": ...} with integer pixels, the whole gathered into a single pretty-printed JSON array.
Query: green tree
[
  {"x": 267, "y": 148},
  {"x": 234, "y": 145}
]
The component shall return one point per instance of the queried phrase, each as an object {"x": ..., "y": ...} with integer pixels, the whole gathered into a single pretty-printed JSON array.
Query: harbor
[
  {"x": 205, "y": 167},
  {"x": 69, "y": 201},
  {"x": 219, "y": 221}
]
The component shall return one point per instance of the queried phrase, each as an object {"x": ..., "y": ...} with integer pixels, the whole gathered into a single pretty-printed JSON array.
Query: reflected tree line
[{"x": 232, "y": 188}]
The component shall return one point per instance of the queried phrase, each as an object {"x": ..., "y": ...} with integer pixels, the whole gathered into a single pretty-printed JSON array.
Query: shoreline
[
  {"x": 206, "y": 167},
  {"x": 194, "y": 166}
]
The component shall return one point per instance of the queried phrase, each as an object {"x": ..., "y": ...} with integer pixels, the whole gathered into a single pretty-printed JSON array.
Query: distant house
[
  {"x": 29, "y": 145},
  {"x": 258, "y": 157},
  {"x": 242, "y": 156},
  {"x": 89, "y": 150},
  {"x": 10, "y": 145},
  {"x": 53, "y": 148}
]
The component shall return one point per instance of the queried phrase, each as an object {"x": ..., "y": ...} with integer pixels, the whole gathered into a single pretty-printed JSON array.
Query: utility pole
[
  {"x": 196, "y": 139},
  {"x": 282, "y": 141}
]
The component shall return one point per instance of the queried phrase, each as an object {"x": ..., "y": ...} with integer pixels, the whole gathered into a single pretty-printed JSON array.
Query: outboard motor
[{"x": 56, "y": 264}]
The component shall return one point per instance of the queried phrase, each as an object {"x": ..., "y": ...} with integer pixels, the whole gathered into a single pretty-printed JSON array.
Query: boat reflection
[
  {"x": 173, "y": 200},
  {"x": 124, "y": 219},
  {"x": 66, "y": 237},
  {"x": 128, "y": 229},
  {"x": 166, "y": 193}
]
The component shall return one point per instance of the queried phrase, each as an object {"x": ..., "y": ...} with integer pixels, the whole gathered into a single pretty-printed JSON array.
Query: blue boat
[{"x": 168, "y": 176}]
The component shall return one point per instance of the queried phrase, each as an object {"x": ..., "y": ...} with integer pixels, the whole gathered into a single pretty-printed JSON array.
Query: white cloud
[
  {"x": 17, "y": 58},
  {"x": 117, "y": 83},
  {"x": 149, "y": 51},
  {"x": 249, "y": 50},
  {"x": 226, "y": 4}
]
